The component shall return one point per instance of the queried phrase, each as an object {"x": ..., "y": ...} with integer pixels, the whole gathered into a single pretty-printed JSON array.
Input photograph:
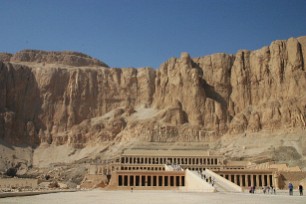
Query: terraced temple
[{"x": 190, "y": 169}]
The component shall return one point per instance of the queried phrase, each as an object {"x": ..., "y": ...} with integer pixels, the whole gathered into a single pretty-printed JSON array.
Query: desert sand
[{"x": 156, "y": 197}]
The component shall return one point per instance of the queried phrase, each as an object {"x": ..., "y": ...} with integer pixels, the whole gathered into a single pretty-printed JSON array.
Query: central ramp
[
  {"x": 220, "y": 184},
  {"x": 194, "y": 182}
]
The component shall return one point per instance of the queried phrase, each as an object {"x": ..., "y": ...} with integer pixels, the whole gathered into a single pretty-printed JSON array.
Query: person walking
[
  {"x": 301, "y": 189},
  {"x": 290, "y": 186},
  {"x": 264, "y": 189},
  {"x": 213, "y": 181}
]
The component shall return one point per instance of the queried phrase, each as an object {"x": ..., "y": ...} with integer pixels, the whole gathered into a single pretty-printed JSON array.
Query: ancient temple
[{"x": 184, "y": 169}]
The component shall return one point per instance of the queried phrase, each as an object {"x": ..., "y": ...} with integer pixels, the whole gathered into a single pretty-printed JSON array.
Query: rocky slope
[{"x": 68, "y": 106}]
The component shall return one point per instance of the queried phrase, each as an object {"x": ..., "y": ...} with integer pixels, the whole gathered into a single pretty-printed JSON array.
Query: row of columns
[
  {"x": 106, "y": 169},
  {"x": 172, "y": 160},
  {"x": 151, "y": 180},
  {"x": 257, "y": 180},
  {"x": 151, "y": 168}
]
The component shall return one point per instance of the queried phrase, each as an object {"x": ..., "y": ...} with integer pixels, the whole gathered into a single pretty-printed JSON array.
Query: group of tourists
[
  {"x": 210, "y": 179},
  {"x": 268, "y": 190},
  {"x": 176, "y": 167},
  {"x": 272, "y": 190},
  {"x": 252, "y": 189},
  {"x": 290, "y": 187}
]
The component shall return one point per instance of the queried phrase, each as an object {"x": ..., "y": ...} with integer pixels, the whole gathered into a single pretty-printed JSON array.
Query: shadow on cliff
[
  {"x": 20, "y": 106},
  {"x": 209, "y": 90}
]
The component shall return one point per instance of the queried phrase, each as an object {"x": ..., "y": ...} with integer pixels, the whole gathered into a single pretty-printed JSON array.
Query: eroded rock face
[
  {"x": 187, "y": 99},
  {"x": 20, "y": 105},
  {"x": 75, "y": 59},
  {"x": 5, "y": 57},
  {"x": 268, "y": 87},
  {"x": 181, "y": 80}
]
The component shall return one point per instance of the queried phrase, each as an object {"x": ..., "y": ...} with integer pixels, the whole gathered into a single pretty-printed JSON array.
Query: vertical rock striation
[{"x": 70, "y": 98}]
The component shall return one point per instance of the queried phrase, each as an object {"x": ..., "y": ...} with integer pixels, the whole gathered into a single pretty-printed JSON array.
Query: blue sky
[{"x": 138, "y": 33}]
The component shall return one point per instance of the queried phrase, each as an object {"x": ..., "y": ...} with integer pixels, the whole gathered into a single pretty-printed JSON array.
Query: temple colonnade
[{"x": 250, "y": 178}]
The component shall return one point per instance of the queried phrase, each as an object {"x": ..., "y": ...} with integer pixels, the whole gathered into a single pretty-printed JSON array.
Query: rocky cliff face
[
  {"x": 67, "y": 98},
  {"x": 75, "y": 59}
]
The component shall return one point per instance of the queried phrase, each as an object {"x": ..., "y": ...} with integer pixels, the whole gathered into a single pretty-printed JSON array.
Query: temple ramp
[
  {"x": 221, "y": 184},
  {"x": 194, "y": 183}
]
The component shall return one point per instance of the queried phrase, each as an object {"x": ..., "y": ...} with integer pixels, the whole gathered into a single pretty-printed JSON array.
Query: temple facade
[
  {"x": 165, "y": 169},
  {"x": 150, "y": 180}
]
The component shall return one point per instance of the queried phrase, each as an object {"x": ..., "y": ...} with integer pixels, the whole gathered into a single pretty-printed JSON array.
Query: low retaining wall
[
  {"x": 18, "y": 182},
  {"x": 30, "y": 193}
]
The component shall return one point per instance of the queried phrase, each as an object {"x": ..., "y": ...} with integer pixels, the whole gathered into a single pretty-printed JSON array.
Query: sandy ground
[{"x": 155, "y": 197}]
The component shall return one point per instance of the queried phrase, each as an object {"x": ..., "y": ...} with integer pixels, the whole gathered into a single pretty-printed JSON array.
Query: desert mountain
[{"x": 67, "y": 106}]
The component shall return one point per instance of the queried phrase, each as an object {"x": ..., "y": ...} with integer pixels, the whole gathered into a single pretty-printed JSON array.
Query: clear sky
[{"x": 138, "y": 33}]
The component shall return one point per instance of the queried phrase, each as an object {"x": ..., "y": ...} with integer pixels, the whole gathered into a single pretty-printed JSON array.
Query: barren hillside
[{"x": 68, "y": 107}]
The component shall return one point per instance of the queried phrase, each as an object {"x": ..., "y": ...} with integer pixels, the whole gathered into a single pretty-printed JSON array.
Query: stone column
[
  {"x": 134, "y": 178},
  {"x": 246, "y": 177},
  {"x": 268, "y": 180},
  {"x": 163, "y": 181},
  {"x": 235, "y": 178},
  {"x": 257, "y": 180},
  {"x": 128, "y": 180},
  {"x": 240, "y": 180},
  {"x": 252, "y": 180},
  {"x": 263, "y": 180},
  {"x": 276, "y": 177}
]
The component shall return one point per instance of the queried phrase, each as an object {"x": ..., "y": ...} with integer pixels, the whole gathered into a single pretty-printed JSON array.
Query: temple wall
[{"x": 294, "y": 177}]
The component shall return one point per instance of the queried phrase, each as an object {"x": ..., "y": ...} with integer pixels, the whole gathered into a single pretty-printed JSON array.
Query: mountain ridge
[{"x": 58, "y": 100}]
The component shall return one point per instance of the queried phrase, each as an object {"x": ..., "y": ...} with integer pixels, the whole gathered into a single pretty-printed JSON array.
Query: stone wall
[
  {"x": 18, "y": 182},
  {"x": 295, "y": 178}
]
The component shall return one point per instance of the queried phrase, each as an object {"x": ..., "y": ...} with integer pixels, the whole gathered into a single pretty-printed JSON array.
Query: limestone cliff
[{"x": 68, "y": 98}]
